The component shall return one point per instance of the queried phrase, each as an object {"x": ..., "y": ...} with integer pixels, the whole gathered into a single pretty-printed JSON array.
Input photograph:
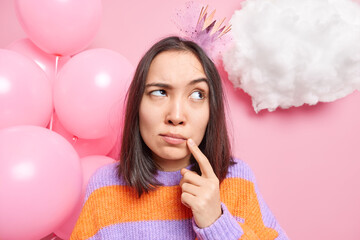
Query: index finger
[{"x": 204, "y": 164}]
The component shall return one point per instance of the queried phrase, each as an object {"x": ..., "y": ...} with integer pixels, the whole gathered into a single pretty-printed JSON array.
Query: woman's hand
[{"x": 201, "y": 193}]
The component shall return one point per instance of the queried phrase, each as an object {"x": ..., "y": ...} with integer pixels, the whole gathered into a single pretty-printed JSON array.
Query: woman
[{"x": 176, "y": 178}]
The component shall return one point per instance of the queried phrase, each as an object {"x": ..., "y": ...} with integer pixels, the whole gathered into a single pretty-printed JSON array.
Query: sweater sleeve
[{"x": 256, "y": 222}]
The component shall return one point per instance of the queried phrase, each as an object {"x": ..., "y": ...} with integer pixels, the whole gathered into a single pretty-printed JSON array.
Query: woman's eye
[
  {"x": 159, "y": 93},
  {"x": 198, "y": 95}
]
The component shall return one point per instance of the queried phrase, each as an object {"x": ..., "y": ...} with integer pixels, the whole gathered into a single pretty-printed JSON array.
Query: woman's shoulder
[
  {"x": 106, "y": 175},
  {"x": 240, "y": 169},
  {"x": 106, "y": 170}
]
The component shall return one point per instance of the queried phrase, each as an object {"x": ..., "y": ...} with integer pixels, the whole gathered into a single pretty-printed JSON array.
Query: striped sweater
[{"x": 112, "y": 210}]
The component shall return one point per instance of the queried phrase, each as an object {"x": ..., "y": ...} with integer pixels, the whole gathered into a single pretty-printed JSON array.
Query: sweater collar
[{"x": 170, "y": 178}]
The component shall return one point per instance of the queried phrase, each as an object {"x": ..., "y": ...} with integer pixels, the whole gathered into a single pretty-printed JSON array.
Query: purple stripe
[
  {"x": 240, "y": 170},
  {"x": 149, "y": 230},
  {"x": 107, "y": 176},
  {"x": 103, "y": 177}
]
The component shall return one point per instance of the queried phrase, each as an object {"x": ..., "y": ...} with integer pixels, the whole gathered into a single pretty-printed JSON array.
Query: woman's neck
[{"x": 172, "y": 165}]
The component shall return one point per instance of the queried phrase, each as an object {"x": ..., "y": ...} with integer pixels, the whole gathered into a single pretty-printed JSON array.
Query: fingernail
[{"x": 191, "y": 142}]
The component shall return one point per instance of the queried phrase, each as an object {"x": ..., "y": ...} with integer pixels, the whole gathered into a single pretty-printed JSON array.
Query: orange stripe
[
  {"x": 248, "y": 233},
  {"x": 237, "y": 193},
  {"x": 105, "y": 202},
  {"x": 103, "y": 205}
]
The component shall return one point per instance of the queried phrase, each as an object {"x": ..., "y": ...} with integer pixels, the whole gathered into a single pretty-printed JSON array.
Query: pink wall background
[{"x": 306, "y": 159}]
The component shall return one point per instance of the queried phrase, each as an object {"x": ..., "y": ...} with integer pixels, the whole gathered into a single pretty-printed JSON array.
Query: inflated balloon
[
  {"x": 40, "y": 182},
  {"x": 115, "y": 151},
  {"x": 89, "y": 93},
  {"x": 47, "y": 62},
  {"x": 89, "y": 165},
  {"x": 25, "y": 91},
  {"x": 60, "y": 27},
  {"x": 86, "y": 147}
]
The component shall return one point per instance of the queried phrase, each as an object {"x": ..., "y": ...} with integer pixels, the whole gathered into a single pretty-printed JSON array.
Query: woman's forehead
[{"x": 175, "y": 66}]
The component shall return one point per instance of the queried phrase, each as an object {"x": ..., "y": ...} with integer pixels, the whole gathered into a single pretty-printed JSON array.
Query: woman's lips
[{"x": 173, "y": 139}]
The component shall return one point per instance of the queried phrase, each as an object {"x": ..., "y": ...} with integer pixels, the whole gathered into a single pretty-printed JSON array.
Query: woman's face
[{"x": 174, "y": 107}]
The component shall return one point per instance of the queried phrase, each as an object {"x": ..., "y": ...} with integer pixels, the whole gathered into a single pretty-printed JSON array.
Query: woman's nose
[{"x": 176, "y": 113}]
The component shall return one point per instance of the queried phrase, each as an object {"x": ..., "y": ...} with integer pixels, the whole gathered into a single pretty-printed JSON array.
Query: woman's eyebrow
[
  {"x": 161, "y": 85},
  {"x": 168, "y": 86},
  {"x": 198, "y": 80}
]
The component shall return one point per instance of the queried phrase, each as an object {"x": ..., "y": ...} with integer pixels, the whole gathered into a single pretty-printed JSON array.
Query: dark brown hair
[{"x": 136, "y": 165}]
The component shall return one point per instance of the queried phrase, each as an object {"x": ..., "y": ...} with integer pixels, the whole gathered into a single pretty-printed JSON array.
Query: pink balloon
[
  {"x": 115, "y": 151},
  {"x": 25, "y": 92},
  {"x": 89, "y": 165},
  {"x": 86, "y": 147},
  {"x": 40, "y": 182},
  {"x": 60, "y": 27},
  {"x": 89, "y": 93},
  {"x": 45, "y": 61}
]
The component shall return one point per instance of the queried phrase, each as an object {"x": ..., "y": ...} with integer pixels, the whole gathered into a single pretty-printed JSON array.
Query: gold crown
[{"x": 214, "y": 28}]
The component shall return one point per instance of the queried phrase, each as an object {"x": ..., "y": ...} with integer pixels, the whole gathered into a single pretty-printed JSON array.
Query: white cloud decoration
[{"x": 291, "y": 52}]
